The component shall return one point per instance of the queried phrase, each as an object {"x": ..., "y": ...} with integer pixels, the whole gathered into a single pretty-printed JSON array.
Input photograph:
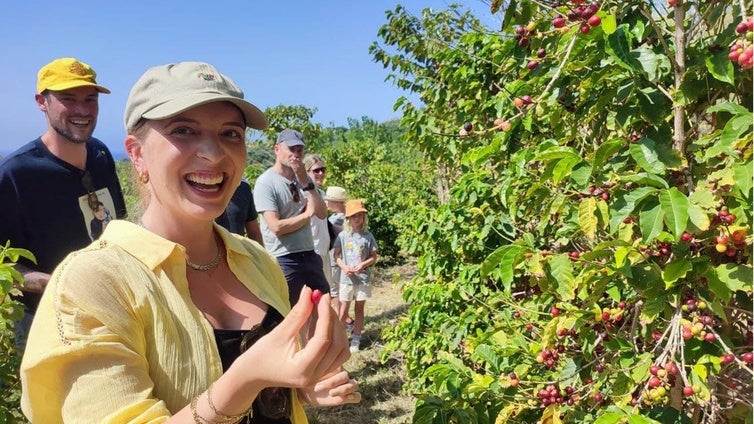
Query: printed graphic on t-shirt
[
  {"x": 96, "y": 210},
  {"x": 355, "y": 249},
  {"x": 353, "y": 253}
]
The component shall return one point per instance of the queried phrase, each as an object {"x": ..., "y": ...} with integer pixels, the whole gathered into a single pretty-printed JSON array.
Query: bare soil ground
[{"x": 383, "y": 401}]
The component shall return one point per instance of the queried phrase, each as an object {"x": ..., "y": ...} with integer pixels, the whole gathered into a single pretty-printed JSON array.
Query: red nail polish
[{"x": 316, "y": 295}]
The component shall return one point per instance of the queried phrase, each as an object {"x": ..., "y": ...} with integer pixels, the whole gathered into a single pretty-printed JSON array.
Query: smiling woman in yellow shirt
[{"x": 160, "y": 322}]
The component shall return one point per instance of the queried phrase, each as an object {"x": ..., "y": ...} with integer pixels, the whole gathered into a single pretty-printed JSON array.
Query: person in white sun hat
[{"x": 336, "y": 198}]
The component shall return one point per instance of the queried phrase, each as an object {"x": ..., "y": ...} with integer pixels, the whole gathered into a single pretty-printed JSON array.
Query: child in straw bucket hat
[{"x": 355, "y": 251}]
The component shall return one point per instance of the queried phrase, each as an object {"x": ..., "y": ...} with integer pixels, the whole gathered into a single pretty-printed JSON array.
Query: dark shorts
[{"x": 303, "y": 269}]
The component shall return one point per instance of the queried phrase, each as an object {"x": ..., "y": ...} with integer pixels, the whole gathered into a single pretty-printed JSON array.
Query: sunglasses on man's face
[
  {"x": 272, "y": 402},
  {"x": 319, "y": 170},
  {"x": 294, "y": 192}
]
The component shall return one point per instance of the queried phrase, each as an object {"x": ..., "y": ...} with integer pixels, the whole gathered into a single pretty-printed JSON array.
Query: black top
[
  {"x": 229, "y": 347},
  {"x": 240, "y": 210},
  {"x": 45, "y": 207}
]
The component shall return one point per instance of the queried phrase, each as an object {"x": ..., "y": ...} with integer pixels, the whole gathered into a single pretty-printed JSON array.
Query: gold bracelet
[
  {"x": 227, "y": 419},
  {"x": 198, "y": 419}
]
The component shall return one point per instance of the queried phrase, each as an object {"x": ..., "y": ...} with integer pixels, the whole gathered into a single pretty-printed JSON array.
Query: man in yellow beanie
[{"x": 51, "y": 187}]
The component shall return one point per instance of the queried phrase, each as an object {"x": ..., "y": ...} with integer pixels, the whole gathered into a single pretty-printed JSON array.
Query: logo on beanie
[
  {"x": 78, "y": 69},
  {"x": 207, "y": 77}
]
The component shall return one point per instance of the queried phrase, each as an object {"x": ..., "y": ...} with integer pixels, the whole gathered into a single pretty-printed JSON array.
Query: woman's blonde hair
[{"x": 310, "y": 159}]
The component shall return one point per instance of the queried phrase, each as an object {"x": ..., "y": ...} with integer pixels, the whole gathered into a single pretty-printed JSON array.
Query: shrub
[
  {"x": 11, "y": 311},
  {"x": 592, "y": 262}
]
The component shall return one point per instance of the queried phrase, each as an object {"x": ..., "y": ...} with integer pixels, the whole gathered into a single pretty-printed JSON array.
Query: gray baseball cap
[
  {"x": 168, "y": 90},
  {"x": 291, "y": 138}
]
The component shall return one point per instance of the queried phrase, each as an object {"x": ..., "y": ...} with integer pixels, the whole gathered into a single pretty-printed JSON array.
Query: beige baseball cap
[{"x": 167, "y": 90}]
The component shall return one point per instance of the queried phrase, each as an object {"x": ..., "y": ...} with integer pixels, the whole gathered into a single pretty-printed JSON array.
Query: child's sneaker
[{"x": 355, "y": 344}]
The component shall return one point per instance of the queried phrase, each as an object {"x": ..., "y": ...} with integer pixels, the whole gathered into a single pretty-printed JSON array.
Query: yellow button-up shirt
[{"x": 117, "y": 338}]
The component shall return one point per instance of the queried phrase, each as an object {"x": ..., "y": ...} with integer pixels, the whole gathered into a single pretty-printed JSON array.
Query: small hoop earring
[{"x": 144, "y": 177}]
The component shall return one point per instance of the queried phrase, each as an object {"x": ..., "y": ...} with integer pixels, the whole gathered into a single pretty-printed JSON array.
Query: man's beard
[{"x": 70, "y": 136}]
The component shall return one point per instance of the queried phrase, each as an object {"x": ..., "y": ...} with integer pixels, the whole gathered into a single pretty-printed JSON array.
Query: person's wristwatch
[{"x": 308, "y": 187}]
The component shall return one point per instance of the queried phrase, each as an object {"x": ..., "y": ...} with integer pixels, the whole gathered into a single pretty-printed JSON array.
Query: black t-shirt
[
  {"x": 44, "y": 204},
  {"x": 240, "y": 210}
]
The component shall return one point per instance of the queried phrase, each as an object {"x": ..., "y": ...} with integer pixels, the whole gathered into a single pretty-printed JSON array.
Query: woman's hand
[
  {"x": 332, "y": 390},
  {"x": 277, "y": 360}
]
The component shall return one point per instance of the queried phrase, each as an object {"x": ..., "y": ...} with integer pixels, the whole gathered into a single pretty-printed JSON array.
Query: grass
[{"x": 380, "y": 382}]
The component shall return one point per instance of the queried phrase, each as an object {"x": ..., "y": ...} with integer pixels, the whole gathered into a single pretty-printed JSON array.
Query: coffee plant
[
  {"x": 591, "y": 260},
  {"x": 11, "y": 311}
]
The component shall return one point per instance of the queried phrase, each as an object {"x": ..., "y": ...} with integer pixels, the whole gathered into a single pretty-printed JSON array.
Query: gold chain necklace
[{"x": 206, "y": 267}]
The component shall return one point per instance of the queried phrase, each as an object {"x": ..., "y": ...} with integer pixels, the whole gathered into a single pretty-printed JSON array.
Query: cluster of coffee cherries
[
  {"x": 723, "y": 217},
  {"x": 523, "y": 33},
  {"x": 612, "y": 316},
  {"x": 660, "y": 381},
  {"x": 661, "y": 250},
  {"x": 549, "y": 357},
  {"x": 730, "y": 244},
  {"x": 741, "y": 51},
  {"x": 552, "y": 394},
  {"x": 696, "y": 327},
  {"x": 565, "y": 332},
  {"x": 595, "y": 191},
  {"x": 586, "y": 14},
  {"x": 697, "y": 323},
  {"x": 522, "y": 36}
]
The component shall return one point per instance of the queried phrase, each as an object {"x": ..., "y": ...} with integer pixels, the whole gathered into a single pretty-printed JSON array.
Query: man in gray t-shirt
[{"x": 286, "y": 200}]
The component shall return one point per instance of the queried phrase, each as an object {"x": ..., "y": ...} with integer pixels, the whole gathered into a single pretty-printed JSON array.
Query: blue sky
[{"x": 279, "y": 52}]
